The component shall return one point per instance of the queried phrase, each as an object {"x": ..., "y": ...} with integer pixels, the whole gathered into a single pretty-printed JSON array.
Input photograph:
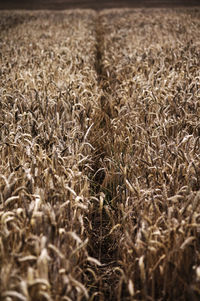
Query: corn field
[{"x": 100, "y": 155}]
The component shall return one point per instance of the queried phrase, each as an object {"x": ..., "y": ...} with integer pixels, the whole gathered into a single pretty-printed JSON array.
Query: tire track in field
[{"x": 101, "y": 244}]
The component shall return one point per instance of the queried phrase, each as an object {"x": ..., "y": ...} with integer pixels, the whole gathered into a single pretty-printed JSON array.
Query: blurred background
[{"x": 65, "y": 4}]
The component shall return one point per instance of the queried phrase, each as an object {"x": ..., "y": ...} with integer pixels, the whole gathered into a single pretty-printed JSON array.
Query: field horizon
[{"x": 91, "y": 4}]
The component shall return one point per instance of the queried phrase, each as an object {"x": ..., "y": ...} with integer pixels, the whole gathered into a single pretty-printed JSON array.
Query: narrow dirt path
[{"x": 101, "y": 245}]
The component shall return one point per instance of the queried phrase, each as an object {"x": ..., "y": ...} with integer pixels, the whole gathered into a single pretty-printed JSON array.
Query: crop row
[
  {"x": 150, "y": 62},
  {"x": 48, "y": 88}
]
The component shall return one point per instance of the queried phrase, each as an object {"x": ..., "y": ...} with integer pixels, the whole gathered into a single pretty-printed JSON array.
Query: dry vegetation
[{"x": 100, "y": 155}]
